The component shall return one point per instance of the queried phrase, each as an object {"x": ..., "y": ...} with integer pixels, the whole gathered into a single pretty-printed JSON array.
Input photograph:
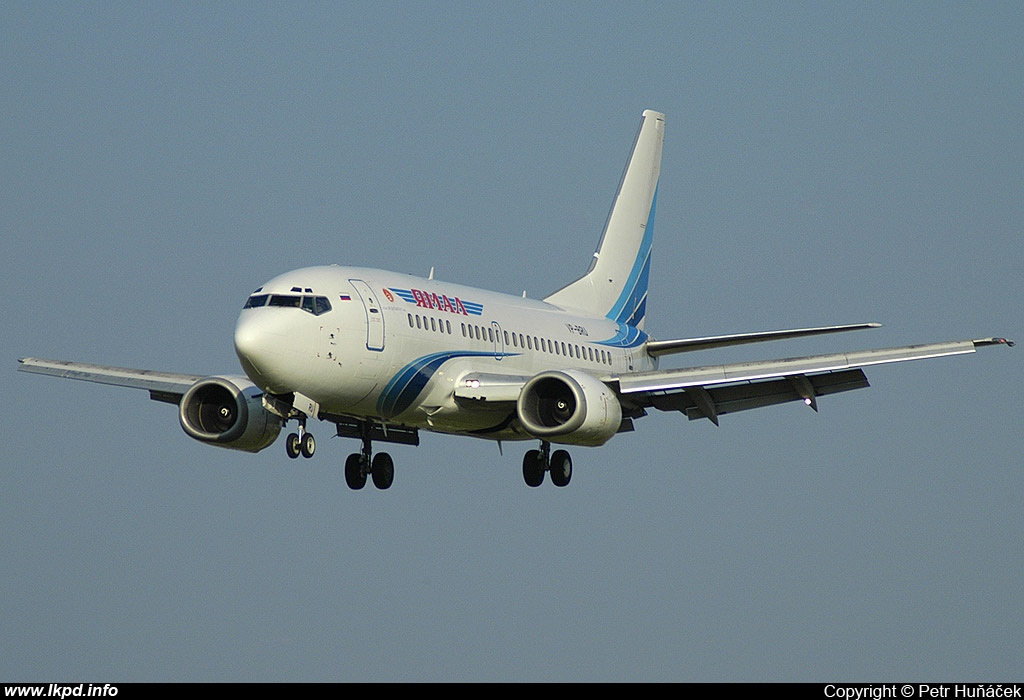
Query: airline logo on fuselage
[{"x": 438, "y": 302}]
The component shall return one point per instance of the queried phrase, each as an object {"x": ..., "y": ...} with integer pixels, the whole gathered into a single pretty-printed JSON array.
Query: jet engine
[
  {"x": 569, "y": 407},
  {"x": 228, "y": 412}
]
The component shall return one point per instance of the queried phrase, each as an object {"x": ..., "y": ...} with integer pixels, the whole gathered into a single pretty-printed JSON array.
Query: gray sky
[{"x": 823, "y": 163}]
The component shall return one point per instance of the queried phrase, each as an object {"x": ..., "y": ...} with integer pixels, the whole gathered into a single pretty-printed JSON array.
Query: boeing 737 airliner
[{"x": 383, "y": 355}]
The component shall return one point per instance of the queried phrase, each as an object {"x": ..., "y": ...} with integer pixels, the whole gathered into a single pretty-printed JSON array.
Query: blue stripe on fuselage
[
  {"x": 406, "y": 385},
  {"x": 625, "y": 337}
]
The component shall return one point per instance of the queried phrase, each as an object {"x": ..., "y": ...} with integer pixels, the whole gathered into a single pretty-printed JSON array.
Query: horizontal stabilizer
[{"x": 656, "y": 348}]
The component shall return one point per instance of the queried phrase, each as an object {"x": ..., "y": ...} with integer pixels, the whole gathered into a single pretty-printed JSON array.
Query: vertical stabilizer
[{"x": 615, "y": 286}]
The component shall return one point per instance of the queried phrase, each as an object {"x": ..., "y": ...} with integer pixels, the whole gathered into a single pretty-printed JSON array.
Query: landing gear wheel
[
  {"x": 382, "y": 469},
  {"x": 308, "y": 445},
  {"x": 533, "y": 468},
  {"x": 292, "y": 446},
  {"x": 561, "y": 468},
  {"x": 355, "y": 476}
]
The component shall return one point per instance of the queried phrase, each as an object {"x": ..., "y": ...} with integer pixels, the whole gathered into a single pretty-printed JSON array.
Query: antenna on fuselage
[{"x": 431, "y": 275}]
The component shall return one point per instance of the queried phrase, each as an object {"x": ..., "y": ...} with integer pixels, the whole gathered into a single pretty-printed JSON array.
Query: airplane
[{"x": 383, "y": 355}]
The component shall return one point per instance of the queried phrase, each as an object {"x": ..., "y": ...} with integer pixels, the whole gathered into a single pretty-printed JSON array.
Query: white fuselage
[{"x": 394, "y": 348}]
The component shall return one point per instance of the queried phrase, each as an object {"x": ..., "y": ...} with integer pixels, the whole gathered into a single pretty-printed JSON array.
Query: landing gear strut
[
  {"x": 380, "y": 467},
  {"x": 536, "y": 462}
]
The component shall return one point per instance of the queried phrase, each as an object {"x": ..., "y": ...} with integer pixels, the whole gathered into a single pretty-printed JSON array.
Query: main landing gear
[
  {"x": 380, "y": 467},
  {"x": 536, "y": 462}
]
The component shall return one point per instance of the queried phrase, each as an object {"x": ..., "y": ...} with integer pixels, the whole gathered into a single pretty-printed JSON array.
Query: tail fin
[{"x": 615, "y": 286}]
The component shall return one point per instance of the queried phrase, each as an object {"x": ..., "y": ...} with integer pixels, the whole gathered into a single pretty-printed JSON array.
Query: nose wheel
[
  {"x": 536, "y": 462},
  {"x": 300, "y": 443}
]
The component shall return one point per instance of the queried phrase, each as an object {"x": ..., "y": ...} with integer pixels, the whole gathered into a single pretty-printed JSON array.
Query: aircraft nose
[{"x": 255, "y": 348}]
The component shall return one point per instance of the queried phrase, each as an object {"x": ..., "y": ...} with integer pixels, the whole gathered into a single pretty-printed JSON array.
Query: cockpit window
[
  {"x": 285, "y": 300},
  {"x": 311, "y": 304}
]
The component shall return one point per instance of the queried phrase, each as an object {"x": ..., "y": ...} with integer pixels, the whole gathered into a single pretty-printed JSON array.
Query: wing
[
  {"x": 162, "y": 386},
  {"x": 708, "y": 392}
]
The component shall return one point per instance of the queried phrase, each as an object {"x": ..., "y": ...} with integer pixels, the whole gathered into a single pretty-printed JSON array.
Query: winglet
[{"x": 982, "y": 342}]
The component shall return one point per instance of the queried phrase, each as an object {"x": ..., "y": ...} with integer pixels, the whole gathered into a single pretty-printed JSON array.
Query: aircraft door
[
  {"x": 374, "y": 317},
  {"x": 499, "y": 341}
]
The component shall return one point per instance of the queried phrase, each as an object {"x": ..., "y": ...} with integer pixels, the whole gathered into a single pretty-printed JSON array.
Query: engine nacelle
[
  {"x": 569, "y": 407},
  {"x": 228, "y": 412}
]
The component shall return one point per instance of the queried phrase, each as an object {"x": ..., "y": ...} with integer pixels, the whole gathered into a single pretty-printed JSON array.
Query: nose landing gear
[
  {"x": 536, "y": 462},
  {"x": 380, "y": 467},
  {"x": 300, "y": 443}
]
